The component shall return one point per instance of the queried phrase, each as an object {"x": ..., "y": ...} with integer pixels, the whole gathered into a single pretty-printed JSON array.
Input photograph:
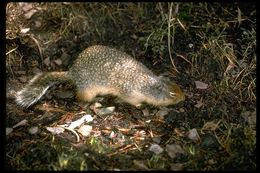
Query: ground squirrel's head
[
  {"x": 175, "y": 93},
  {"x": 164, "y": 93}
]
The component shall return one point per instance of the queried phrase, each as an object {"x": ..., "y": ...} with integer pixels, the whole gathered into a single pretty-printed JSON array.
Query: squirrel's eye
[{"x": 172, "y": 94}]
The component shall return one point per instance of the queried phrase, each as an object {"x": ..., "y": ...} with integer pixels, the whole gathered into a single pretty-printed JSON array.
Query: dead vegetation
[{"x": 212, "y": 43}]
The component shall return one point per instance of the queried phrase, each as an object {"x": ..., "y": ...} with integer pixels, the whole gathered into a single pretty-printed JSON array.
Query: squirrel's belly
[{"x": 89, "y": 93}]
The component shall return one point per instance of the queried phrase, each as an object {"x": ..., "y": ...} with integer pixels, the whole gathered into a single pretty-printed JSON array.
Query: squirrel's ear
[
  {"x": 164, "y": 79},
  {"x": 172, "y": 94}
]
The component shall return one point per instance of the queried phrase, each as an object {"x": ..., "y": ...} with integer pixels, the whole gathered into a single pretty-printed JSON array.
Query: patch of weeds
[
  {"x": 36, "y": 156},
  {"x": 68, "y": 157},
  {"x": 98, "y": 146},
  {"x": 156, "y": 162},
  {"x": 243, "y": 149},
  {"x": 71, "y": 160}
]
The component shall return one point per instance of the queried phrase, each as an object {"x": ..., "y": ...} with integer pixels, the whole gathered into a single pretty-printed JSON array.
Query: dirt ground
[{"x": 209, "y": 49}]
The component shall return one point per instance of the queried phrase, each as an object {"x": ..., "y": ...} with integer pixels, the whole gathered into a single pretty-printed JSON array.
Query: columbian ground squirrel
[{"x": 101, "y": 70}]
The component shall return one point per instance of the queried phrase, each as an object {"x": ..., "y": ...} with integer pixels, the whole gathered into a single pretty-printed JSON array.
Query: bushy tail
[{"x": 38, "y": 86}]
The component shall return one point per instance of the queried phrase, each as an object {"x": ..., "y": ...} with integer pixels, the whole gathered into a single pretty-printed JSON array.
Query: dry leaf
[
  {"x": 47, "y": 61},
  {"x": 211, "y": 125},
  {"x": 134, "y": 36},
  {"x": 181, "y": 110},
  {"x": 58, "y": 61},
  {"x": 23, "y": 79},
  {"x": 65, "y": 58},
  {"x": 26, "y": 6},
  {"x": 145, "y": 112},
  {"x": 85, "y": 130},
  {"x": 20, "y": 72},
  {"x": 25, "y": 30},
  {"x": 162, "y": 113},
  {"x": 193, "y": 135},
  {"x": 106, "y": 131},
  {"x": 250, "y": 118},
  {"x": 55, "y": 130},
  {"x": 191, "y": 45},
  {"x": 157, "y": 139},
  {"x": 229, "y": 67},
  {"x": 199, "y": 103},
  {"x": 139, "y": 134},
  {"x": 30, "y": 13},
  {"x": 95, "y": 106},
  {"x": 36, "y": 70},
  {"x": 21, "y": 123},
  {"x": 37, "y": 24},
  {"x": 140, "y": 165},
  {"x": 112, "y": 135},
  {"x": 212, "y": 161},
  {"x": 201, "y": 85},
  {"x": 176, "y": 167},
  {"x": 173, "y": 150},
  {"x": 124, "y": 130},
  {"x": 179, "y": 132},
  {"x": 97, "y": 133},
  {"x": 239, "y": 19}
]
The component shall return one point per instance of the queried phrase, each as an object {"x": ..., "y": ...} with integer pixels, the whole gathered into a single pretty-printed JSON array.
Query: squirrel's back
[{"x": 101, "y": 70}]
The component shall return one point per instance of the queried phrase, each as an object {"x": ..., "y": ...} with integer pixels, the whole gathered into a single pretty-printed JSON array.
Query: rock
[
  {"x": 156, "y": 149},
  {"x": 156, "y": 140},
  {"x": 162, "y": 113},
  {"x": 105, "y": 111},
  {"x": 8, "y": 130},
  {"x": 209, "y": 141},
  {"x": 34, "y": 130}
]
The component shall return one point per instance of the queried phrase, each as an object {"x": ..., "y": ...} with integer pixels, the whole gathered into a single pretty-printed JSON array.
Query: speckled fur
[{"x": 100, "y": 70}]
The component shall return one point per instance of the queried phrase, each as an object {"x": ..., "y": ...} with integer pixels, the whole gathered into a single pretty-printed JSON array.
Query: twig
[
  {"x": 122, "y": 150},
  {"x": 184, "y": 58},
  {"x": 161, "y": 10},
  {"x": 38, "y": 45},
  {"x": 72, "y": 130},
  {"x": 137, "y": 147},
  {"x": 11, "y": 50},
  {"x": 169, "y": 35},
  {"x": 183, "y": 27}
]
